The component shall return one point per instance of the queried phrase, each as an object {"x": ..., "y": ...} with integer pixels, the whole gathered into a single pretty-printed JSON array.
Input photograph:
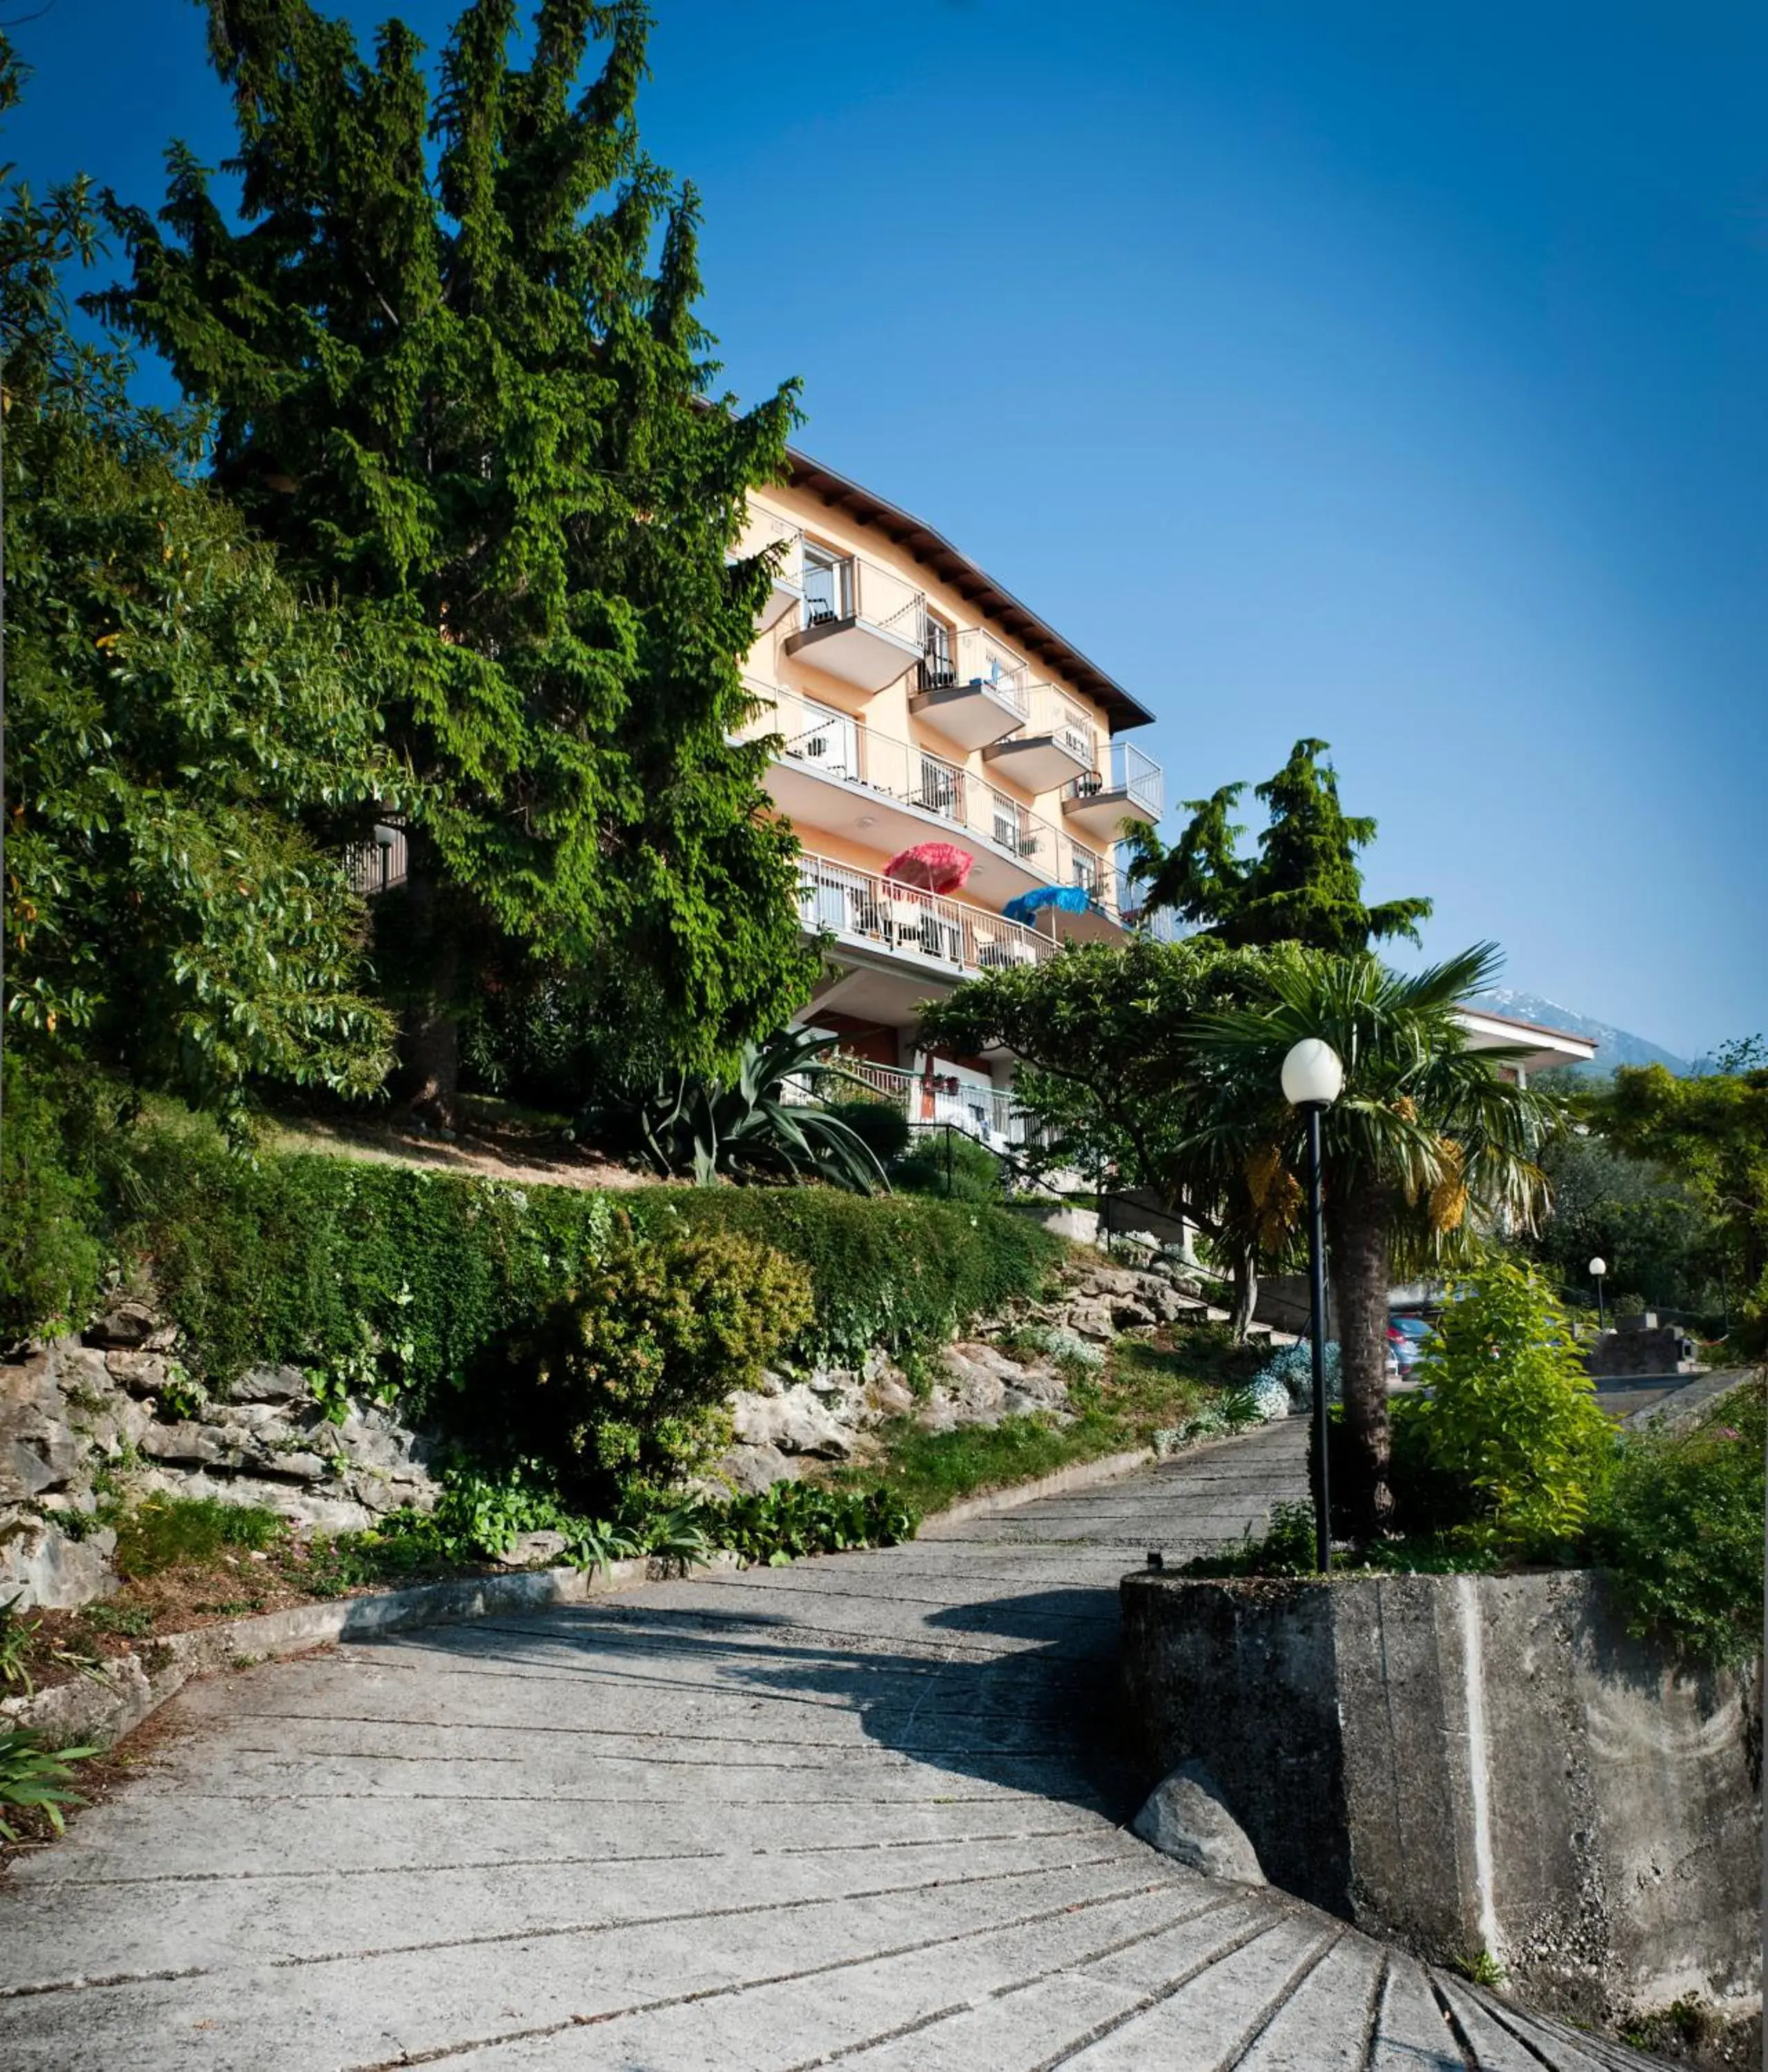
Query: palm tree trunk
[
  {"x": 1358, "y": 1221},
  {"x": 1246, "y": 1292}
]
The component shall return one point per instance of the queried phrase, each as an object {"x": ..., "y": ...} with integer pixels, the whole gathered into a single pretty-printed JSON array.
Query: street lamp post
[
  {"x": 1313, "y": 1079},
  {"x": 1599, "y": 1268}
]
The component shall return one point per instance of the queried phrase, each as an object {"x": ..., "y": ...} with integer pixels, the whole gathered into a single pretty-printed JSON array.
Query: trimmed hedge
[{"x": 382, "y": 1276}]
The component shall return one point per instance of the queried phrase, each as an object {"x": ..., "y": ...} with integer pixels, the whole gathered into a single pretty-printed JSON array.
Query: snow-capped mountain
[{"x": 1617, "y": 1046}]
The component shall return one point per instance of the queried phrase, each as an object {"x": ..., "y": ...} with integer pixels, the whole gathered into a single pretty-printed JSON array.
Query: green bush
[
  {"x": 34, "y": 1779},
  {"x": 949, "y": 1166},
  {"x": 387, "y": 1280},
  {"x": 792, "y": 1518},
  {"x": 1512, "y": 1418},
  {"x": 881, "y": 1125},
  {"x": 895, "y": 1272},
  {"x": 622, "y": 1388},
  {"x": 50, "y": 1254},
  {"x": 1679, "y": 1525}
]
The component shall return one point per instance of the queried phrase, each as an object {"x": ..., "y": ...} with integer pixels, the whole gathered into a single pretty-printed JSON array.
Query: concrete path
[{"x": 857, "y": 1811}]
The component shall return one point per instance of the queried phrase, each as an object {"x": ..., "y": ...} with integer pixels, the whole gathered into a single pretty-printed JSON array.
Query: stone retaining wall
[{"x": 1473, "y": 1764}]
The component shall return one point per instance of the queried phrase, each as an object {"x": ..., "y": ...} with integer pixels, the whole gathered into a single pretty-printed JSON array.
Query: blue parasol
[{"x": 1065, "y": 898}]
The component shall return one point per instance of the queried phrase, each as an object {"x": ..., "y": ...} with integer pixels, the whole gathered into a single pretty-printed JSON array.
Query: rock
[
  {"x": 270, "y": 1384},
  {"x": 141, "y": 1373},
  {"x": 529, "y": 1548},
  {"x": 296, "y": 1467},
  {"x": 889, "y": 1395},
  {"x": 1187, "y": 1818},
  {"x": 798, "y": 1421},
  {"x": 49, "y": 1570},
  {"x": 749, "y": 1471},
  {"x": 204, "y": 1446},
  {"x": 127, "y": 1323},
  {"x": 1132, "y": 1316}
]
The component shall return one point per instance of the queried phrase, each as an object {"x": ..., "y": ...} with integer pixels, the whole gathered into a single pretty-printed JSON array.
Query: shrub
[
  {"x": 792, "y": 1518},
  {"x": 949, "y": 1166},
  {"x": 881, "y": 1125},
  {"x": 389, "y": 1280},
  {"x": 1679, "y": 1524},
  {"x": 1268, "y": 1397},
  {"x": 623, "y": 1387},
  {"x": 1070, "y": 1351},
  {"x": 37, "y": 1779},
  {"x": 1512, "y": 1416},
  {"x": 1292, "y": 1368},
  {"x": 50, "y": 1254}
]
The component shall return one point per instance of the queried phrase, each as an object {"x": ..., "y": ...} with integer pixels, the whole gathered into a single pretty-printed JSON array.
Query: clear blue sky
[{"x": 1394, "y": 374}]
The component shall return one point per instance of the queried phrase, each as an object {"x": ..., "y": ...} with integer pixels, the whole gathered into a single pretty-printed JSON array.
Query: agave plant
[{"x": 750, "y": 1130}]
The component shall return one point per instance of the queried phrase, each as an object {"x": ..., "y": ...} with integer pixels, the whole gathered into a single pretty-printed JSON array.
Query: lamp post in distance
[
  {"x": 1598, "y": 1269},
  {"x": 1312, "y": 1079}
]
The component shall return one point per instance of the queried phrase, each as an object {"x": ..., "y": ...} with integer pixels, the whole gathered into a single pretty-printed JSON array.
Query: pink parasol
[{"x": 933, "y": 866}]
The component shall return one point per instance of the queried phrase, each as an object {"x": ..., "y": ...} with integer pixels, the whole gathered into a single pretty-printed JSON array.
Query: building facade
[{"x": 916, "y": 702}]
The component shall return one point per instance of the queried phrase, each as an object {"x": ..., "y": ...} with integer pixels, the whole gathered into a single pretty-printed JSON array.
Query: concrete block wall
[{"x": 1474, "y": 1764}]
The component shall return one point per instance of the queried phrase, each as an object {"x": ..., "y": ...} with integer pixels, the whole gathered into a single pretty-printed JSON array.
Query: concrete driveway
[{"x": 862, "y": 1812}]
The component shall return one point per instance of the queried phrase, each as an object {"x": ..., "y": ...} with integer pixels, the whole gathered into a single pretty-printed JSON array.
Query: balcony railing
[
  {"x": 986, "y": 1112},
  {"x": 1059, "y": 717},
  {"x": 767, "y": 528},
  {"x": 817, "y": 738},
  {"x": 849, "y": 587},
  {"x": 379, "y": 863},
  {"x": 1138, "y": 777},
  {"x": 969, "y": 658},
  {"x": 860, "y": 905}
]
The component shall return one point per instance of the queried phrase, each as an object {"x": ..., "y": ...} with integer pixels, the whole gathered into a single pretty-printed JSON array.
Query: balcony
[
  {"x": 863, "y": 911},
  {"x": 378, "y": 864},
  {"x": 765, "y": 531},
  {"x": 1131, "y": 788},
  {"x": 971, "y": 689},
  {"x": 986, "y": 1112},
  {"x": 858, "y": 621},
  {"x": 1058, "y": 744},
  {"x": 831, "y": 773}
]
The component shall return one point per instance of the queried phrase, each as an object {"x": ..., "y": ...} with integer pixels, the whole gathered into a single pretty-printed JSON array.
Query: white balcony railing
[
  {"x": 1053, "y": 714},
  {"x": 832, "y": 745},
  {"x": 860, "y": 905},
  {"x": 839, "y": 587},
  {"x": 767, "y": 528},
  {"x": 985, "y": 1112},
  {"x": 968, "y": 658},
  {"x": 379, "y": 863},
  {"x": 1128, "y": 773}
]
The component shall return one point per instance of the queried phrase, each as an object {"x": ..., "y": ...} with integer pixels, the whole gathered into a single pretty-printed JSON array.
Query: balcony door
[
  {"x": 831, "y": 743},
  {"x": 825, "y": 586},
  {"x": 938, "y": 671}
]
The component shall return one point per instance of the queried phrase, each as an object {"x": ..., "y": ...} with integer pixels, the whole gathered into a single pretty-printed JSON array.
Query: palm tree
[{"x": 1426, "y": 1141}]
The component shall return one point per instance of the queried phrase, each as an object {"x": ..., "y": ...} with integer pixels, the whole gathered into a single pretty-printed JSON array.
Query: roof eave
[{"x": 972, "y": 583}]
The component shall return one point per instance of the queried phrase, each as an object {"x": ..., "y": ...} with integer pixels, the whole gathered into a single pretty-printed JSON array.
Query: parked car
[{"x": 1406, "y": 1337}]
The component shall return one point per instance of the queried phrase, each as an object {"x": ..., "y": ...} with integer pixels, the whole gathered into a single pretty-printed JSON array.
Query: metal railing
[
  {"x": 1128, "y": 770},
  {"x": 941, "y": 1101},
  {"x": 1053, "y": 713},
  {"x": 767, "y": 528},
  {"x": 379, "y": 863},
  {"x": 835, "y": 746},
  {"x": 973, "y": 660},
  {"x": 860, "y": 905},
  {"x": 841, "y": 587}
]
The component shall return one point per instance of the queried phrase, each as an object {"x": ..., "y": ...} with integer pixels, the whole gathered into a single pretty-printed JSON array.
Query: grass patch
[
  {"x": 1147, "y": 1385},
  {"x": 179, "y": 1532}
]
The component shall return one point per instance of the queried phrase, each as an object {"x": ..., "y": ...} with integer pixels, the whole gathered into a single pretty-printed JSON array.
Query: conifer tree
[
  {"x": 1304, "y": 886},
  {"x": 458, "y": 378}
]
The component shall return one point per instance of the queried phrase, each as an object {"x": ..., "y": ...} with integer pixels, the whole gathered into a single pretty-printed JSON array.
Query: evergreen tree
[
  {"x": 186, "y": 741},
  {"x": 458, "y": 378},
  {"x": 1303, "y": 886}
]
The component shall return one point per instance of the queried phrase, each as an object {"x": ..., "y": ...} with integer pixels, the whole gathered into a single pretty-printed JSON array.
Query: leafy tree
[
  {"x": 186, "y": 740},
  {"x": 1118, "y": 1087},
  {"x": 458, "y": 378},
  {"x": 1658, "y": 1238},
  {"x": 1512, "y": 1417},
  {"x": 1425, "y": 1138},
  {"x": 1712, "y": 1132},
  {"x": 1304, "y": 886}
]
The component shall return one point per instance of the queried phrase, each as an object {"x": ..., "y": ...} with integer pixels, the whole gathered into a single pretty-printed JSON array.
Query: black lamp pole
[{"x": 1323, "y": 1502}]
